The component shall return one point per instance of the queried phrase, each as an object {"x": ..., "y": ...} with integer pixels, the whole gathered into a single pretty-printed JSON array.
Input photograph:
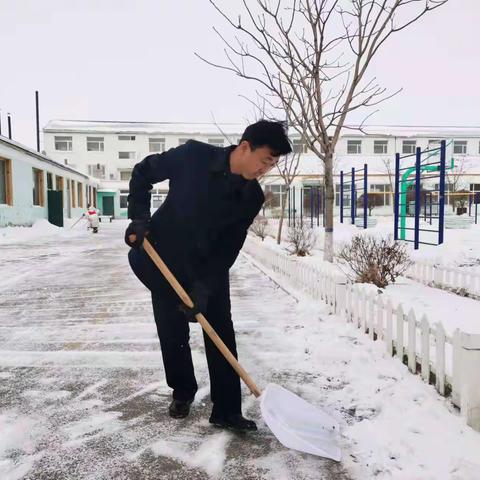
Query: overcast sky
[{"x": 134, "y": 61}]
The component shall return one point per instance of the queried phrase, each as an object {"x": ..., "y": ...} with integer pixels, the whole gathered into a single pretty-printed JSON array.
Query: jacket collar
[{"x": 220, "y": 161}]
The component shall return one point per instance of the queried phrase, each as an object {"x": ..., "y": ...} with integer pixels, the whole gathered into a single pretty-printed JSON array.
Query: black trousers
[{"x": 174, "y": 333}]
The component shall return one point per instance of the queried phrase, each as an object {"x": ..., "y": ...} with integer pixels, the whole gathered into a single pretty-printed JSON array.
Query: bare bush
[
  {"x": 302, "y": 239},
  {"x": 259, "y": 226},
  {"x": 375, "y": 260}
]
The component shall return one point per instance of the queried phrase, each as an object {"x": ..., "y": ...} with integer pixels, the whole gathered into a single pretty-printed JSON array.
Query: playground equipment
[
  {"x": 409, "y": 179},
  {"x": 308, "y": 207},
  {"x": 349, "y": 194},
  {"x": 473, "y": 199}
]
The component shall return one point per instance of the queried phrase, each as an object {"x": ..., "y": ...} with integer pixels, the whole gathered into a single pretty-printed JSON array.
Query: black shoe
[
  {"x": 233, "y": 422},
  {"x": 179, "y": 408}
]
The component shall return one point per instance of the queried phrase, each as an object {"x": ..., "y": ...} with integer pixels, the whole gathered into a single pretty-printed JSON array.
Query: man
[{"x": 198, "y": 231}]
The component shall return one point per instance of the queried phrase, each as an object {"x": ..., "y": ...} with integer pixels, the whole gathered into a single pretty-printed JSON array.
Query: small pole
[
  {"x": 396, "y": 196},
  {"x": 341, "y": 196},
  {"x": 294, "y": 210},
  {"x": 431, "y": 203},
  {"x": 365, "y": 195},
  {"x": 311, "y": 207},
  {"x": 38, "y": 120},
  {"x": 9, "y": 126},
  {"x": 289, "y": 200},
  {"x": 441, "y": 206},
  {"x": 417, "y": 198},
  {"x": 352, "y": 199}
]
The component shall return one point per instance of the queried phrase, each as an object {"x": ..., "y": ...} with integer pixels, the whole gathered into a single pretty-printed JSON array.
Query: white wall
[{"x": 23, "y": 212}]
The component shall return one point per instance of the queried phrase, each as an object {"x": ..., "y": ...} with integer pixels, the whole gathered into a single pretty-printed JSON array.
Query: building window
[
  {"x": 79, "y": 195},
  {"x": 63, "y": 144},
  {"x": 346, "y": 196},
  {"x": 354, "y": 147},
  {"x": 434, "y": 143},
  {"x": 126, "y": 155},
  {"x": 460, "y": 147},
  {"x": 156, "y": 145},
  {"x": 381, "y": 194},
  {"x": 130, "y": 138},
  {"x": 409, "y": 146},
  {"x": 380, "y": 146},
  {"x": 218, "y": 142},
  {"x": 38, "y": 185},
  {"x": 95, "y": 144},
  {"x": 59, "y": 183},
  {"x": 97, "y": 170},
  {"x": 125, "y": 175},
  {"x": 299, "y": 146},
  {"x": 49, "y": 181},
  {"x": 183, "y": 141},
  {"x": 273, "y": 195},
  {"x": 5, "y": 182},
  {"x": 123, "y": 198}
]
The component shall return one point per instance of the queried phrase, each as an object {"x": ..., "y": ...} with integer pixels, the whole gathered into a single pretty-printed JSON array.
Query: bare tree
[
  {"x": 387, "y": 163},
  {"x": 454, "y": 177},
  {"x": 311, "y": 58},
  {"x": 288, "y": 170}
]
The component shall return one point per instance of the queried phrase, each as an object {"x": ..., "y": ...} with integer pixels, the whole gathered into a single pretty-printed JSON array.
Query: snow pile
[{"x": 40, "y": 229}]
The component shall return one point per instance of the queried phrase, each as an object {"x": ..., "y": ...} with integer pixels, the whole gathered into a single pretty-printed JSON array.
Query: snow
[
  {"x": 83, "y": 392},
  {"x": 41, "y": 229}
]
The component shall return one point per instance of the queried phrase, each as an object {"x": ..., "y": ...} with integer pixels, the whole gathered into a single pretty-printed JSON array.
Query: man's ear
[{"x": 244, "y": 146}]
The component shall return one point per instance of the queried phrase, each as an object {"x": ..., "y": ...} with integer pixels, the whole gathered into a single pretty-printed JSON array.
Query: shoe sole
[{"x": 233, "y": 429}]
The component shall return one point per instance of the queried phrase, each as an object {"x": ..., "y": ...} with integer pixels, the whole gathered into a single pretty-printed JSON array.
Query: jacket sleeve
[{"x": 153, "y": 169}]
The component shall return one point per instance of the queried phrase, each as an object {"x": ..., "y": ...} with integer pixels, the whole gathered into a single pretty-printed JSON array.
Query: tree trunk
[
  {"x": 282, "y": 215},
  {"x": 329, "y": 203}
]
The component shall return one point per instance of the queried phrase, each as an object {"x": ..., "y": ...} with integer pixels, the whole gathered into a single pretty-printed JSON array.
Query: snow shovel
[{"x": 295, "y": 423}]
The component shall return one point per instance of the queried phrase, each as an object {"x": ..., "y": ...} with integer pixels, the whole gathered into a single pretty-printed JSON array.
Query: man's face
[{"x": 257, "y": 162}]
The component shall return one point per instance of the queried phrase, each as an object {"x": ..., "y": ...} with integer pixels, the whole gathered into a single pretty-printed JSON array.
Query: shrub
[
  {"x": 375, "y": 260},
  {"x": 301, "y": 239},
  {"x": 259, "y": 226}
]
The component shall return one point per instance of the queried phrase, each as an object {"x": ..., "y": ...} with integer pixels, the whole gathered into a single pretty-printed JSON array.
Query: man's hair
[{"x": 266, "y": 133}]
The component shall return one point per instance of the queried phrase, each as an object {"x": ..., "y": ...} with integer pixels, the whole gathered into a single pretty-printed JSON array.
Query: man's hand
[
  {"x": 136, "y": 232},
  {"x": 199, "y": 296}
]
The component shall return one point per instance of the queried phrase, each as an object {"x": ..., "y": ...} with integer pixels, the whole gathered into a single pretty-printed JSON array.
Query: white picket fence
[
  {"x": 319, "y": 284},
  {"x": 457, "y": 280},
  {"x": 450, "y": 363}
]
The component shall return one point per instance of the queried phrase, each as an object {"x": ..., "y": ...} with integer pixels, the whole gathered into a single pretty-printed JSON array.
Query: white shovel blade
[{"x": 299, "y": 425}]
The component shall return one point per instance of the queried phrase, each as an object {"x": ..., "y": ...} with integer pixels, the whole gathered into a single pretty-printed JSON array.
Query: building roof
[
  {"x": 236, "y": 129},
  {"x": 430, "y": 131},
  {"x": 39, "y": 156},
  {"x": 84, "y": 126}
]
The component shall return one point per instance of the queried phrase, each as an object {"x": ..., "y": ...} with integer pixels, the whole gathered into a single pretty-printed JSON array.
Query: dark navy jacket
[{"x": 201, "y": 226}]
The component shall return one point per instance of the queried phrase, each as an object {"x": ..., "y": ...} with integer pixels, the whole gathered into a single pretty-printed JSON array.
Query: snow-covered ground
[
  {"x": 461, "y": 248},
  {"x": 83, "y": 396}
]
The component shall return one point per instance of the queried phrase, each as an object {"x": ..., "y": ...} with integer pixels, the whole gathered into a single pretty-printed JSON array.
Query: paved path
[{"x": 82, "y": 390}]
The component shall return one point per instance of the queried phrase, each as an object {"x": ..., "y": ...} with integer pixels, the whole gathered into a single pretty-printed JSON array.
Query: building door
[
  {"x": 108, "y": 206},
  {"x": 55, "y": 207}
]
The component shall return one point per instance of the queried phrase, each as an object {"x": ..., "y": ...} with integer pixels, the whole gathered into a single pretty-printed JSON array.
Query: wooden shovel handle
[{"x": 200, "y": 318}]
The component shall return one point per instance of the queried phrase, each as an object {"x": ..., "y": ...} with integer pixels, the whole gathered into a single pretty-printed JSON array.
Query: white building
[
  {"x": 33, "y": 186},
  {"x": 109, "y": 150}
]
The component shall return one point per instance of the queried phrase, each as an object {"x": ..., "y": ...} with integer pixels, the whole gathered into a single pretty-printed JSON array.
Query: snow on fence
[
  {"x": 451, "y": 363},
  {"x": 448, "y": 278}
]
